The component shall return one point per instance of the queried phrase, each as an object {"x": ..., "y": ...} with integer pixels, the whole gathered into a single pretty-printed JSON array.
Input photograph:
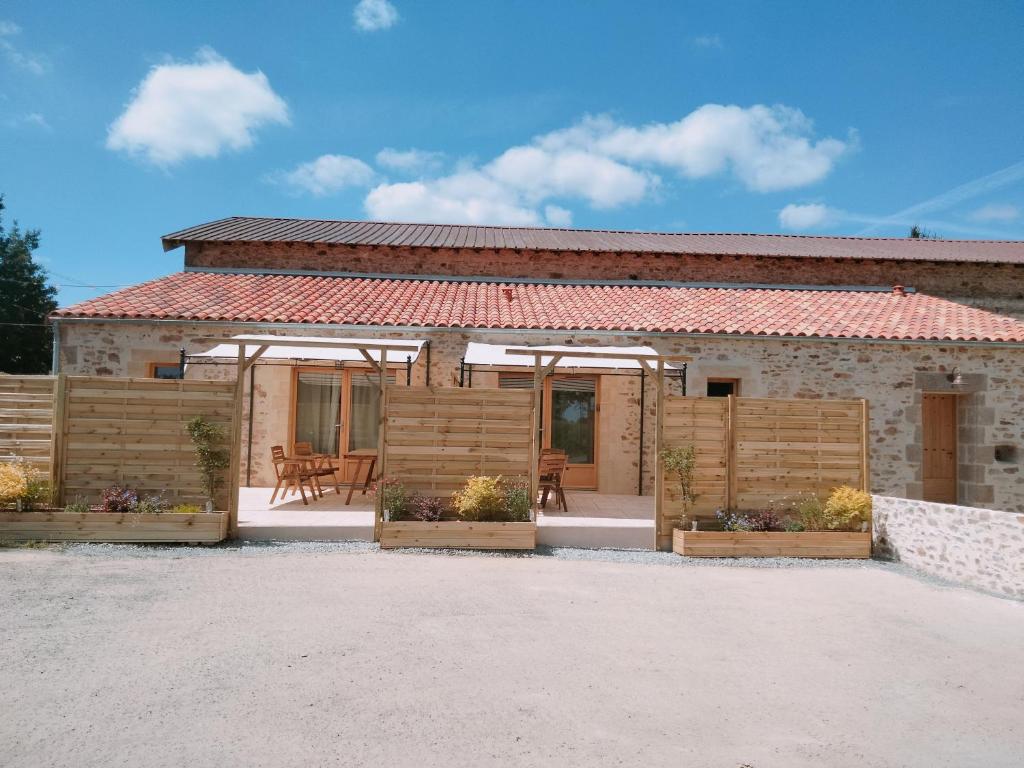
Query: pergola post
[
  {"x": 659, "y": 439},
  {"x": 538, "y": 393},
  {"x": 235, "y": 465}
]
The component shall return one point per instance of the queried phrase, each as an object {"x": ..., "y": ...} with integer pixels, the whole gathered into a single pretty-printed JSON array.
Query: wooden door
[{"x": 939, "y": 447}]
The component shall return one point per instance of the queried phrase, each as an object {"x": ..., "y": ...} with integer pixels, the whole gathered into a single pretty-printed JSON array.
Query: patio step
[{"x": 595, "y": 532}]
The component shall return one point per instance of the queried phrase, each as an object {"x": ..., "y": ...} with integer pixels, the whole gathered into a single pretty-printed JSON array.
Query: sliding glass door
[
  {"x": 338, "y": 412},
  {"x": 568, "y": 421}
]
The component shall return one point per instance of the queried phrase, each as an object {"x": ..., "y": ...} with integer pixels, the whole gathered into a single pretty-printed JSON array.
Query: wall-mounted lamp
[{"x": 954, "y": 377}]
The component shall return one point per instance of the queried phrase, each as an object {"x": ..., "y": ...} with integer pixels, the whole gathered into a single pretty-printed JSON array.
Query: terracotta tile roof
[
  {"x": 376, "y": 233},
  {"x": 462, "y": 304}
]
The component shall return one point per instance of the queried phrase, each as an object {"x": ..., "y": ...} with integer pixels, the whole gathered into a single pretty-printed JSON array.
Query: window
[
  {"x": 568, "y": 418},
  {"x": 337, "y": 411},
  {"x": 723, "y": 387},
  {"x": 573, "y": 405},
  {"x": 164, "y": 371},
  {"x": 318, "y": 410}
]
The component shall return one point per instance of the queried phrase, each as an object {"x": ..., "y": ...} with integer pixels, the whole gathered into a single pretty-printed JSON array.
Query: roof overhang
[
  {"x": 504, "y": 356},
  {"x": 326, "y": 348}
]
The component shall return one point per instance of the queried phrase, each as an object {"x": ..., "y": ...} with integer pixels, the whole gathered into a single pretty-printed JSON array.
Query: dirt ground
[{"x": 276, "y": 657}]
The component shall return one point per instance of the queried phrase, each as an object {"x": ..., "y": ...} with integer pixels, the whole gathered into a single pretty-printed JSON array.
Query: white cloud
[
  {"x": 33, "y": 63},
  {"x": 996, "y": 212},
  {"x": 766, "y": 148},
  {"x": 557, "y": 216},
  {"x": 983, "y": 185},
  {"x": 371, "y": 15},
  {"x": 608, "y": 165},
  {"x": 410, "y": 160},
  {"x": 468, "y": 197},
  {"x": 537, "y": 173},
  {"x": 29, "y": 119},
  {"x": 707, "y": 41},
  {"x": 195, "y": 109},
  {"x": 802, "y": 217},
  {"x": 329, "y": 174}
]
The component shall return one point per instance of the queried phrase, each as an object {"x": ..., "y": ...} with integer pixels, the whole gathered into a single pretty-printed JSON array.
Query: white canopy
[
  {"x": 310, "y": 348},
  {"x": 494, "y": 354}
]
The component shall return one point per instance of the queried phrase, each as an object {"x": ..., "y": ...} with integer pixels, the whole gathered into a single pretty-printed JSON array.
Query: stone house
[{"x": 931, "y": 332}]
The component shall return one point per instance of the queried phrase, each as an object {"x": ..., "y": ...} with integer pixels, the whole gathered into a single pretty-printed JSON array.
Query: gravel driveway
[{"x": 292, "y": 656}]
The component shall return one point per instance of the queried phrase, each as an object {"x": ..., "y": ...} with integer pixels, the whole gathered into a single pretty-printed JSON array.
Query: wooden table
[{"x": 361, "y": 456}]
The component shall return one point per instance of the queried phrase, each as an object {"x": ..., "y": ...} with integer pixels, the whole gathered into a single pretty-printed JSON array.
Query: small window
[
  {"x": 723, "y": 387},
  {"x": 164, "y": 371}
]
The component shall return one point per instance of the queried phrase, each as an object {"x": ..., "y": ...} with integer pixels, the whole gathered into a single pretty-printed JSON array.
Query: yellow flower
[{"x": 13, "y": 483}]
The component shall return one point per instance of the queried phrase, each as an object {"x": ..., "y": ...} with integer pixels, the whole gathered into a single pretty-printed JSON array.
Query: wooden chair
[
  {"x": 321, "y": 465},
  {"x": 551, "y": 469},
  {"x": 291, "y": 474}
]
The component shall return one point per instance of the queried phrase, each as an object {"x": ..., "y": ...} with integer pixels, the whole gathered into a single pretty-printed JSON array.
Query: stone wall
[
  {"x": 979, "y": 547},
  {"x": 998, "y": 287},
  {"x": 891, "y": 376}
]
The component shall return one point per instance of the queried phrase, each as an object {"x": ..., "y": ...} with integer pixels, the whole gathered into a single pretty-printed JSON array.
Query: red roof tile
[
  {"x": 463, "y": 304},
  {"x": 382, "y": 233}
]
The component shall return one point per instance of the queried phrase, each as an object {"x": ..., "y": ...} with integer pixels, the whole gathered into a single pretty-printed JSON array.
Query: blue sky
[{"x": 120, "y": 122}]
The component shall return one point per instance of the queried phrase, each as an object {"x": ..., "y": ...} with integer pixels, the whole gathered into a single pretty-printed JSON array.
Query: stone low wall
[{"x": 978, "y": 547}]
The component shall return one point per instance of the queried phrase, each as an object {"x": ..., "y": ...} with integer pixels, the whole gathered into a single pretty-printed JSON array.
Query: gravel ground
[{"x": 340, "y": 654}]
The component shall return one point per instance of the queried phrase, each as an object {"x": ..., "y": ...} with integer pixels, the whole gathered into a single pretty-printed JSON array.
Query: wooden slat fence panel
[
  {"x": 703, "y": 423},
  {"x": 26, "y": 419},
  {"x": 436, "y": 437},
  {"x": 752, "y": 452},
  {"x": 785, "y": 448},
  {"x": 131, "y": 432}
]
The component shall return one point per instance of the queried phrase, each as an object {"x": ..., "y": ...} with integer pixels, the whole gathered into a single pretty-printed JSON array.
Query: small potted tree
[
  {"x": 681, "y": 463},
  {"x": 211, "y": 456}
]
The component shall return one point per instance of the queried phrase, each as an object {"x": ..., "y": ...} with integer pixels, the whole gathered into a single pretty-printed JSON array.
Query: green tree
[
  {"x": 917, "y": 233},
  {"x": 26, "y": 299}
]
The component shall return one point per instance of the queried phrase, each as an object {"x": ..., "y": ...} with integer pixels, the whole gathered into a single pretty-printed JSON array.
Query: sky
[{"x": 124, "y": 121}]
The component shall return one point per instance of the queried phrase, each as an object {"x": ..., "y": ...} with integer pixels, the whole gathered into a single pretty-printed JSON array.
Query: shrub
[
  {"x": 211, "y": 457},
  {"x": 792, "y": 526},
  {"x": 395, "y": 499},
  {"x": 480, "y": 500},
  {"x": 733, "y": 521},
  {"x": 847, "y": 508},
  {"x": 78, "y": 507},
  {"x": 155, "y": 504},
  {"x": 811, "y": 513},
  {"x": 13, "y": 484},
  {"x": 682, "y": 462},
  {"x": 186, "y": 509},
  {"x": 517, "y": 501},
  {"x": 118, "y": 499},
  {"x": 763, "y": 520},
  {"x": 429, "y": 509}
]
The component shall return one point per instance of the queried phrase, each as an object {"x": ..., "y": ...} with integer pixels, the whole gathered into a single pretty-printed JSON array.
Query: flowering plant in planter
[
  {"x": 429, "y": 509},
  {"x": 23, "y": 485}
]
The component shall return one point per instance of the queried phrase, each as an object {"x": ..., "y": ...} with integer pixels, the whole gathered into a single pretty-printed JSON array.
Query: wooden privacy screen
[
  {"x": 752, "y": 452},
  {"x": 26, "y": 419},
  {"x": 702, "y": 422},
  {"x": 131, "y": 432},
  {"x": 436, "y": 437}
]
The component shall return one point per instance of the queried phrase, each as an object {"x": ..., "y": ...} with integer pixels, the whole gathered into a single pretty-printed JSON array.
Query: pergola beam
[
  {"x": 640, "y": 357},
  {"x": 311, "y": 344}
]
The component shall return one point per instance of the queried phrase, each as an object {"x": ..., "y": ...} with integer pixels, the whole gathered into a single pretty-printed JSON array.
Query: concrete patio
[{"x": 594, "y": 521}]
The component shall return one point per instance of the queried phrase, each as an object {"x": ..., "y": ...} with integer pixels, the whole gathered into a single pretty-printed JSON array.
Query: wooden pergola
[
  {"x": 245, "y": 360},
  {"x": 652, "y": 363}
]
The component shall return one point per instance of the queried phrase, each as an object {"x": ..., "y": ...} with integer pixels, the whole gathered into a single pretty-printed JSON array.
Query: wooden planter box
[
  {"x": 832, "y": 544},
  {"x": 457, "y": 534},
  {"x": 134, "y": 528}
]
